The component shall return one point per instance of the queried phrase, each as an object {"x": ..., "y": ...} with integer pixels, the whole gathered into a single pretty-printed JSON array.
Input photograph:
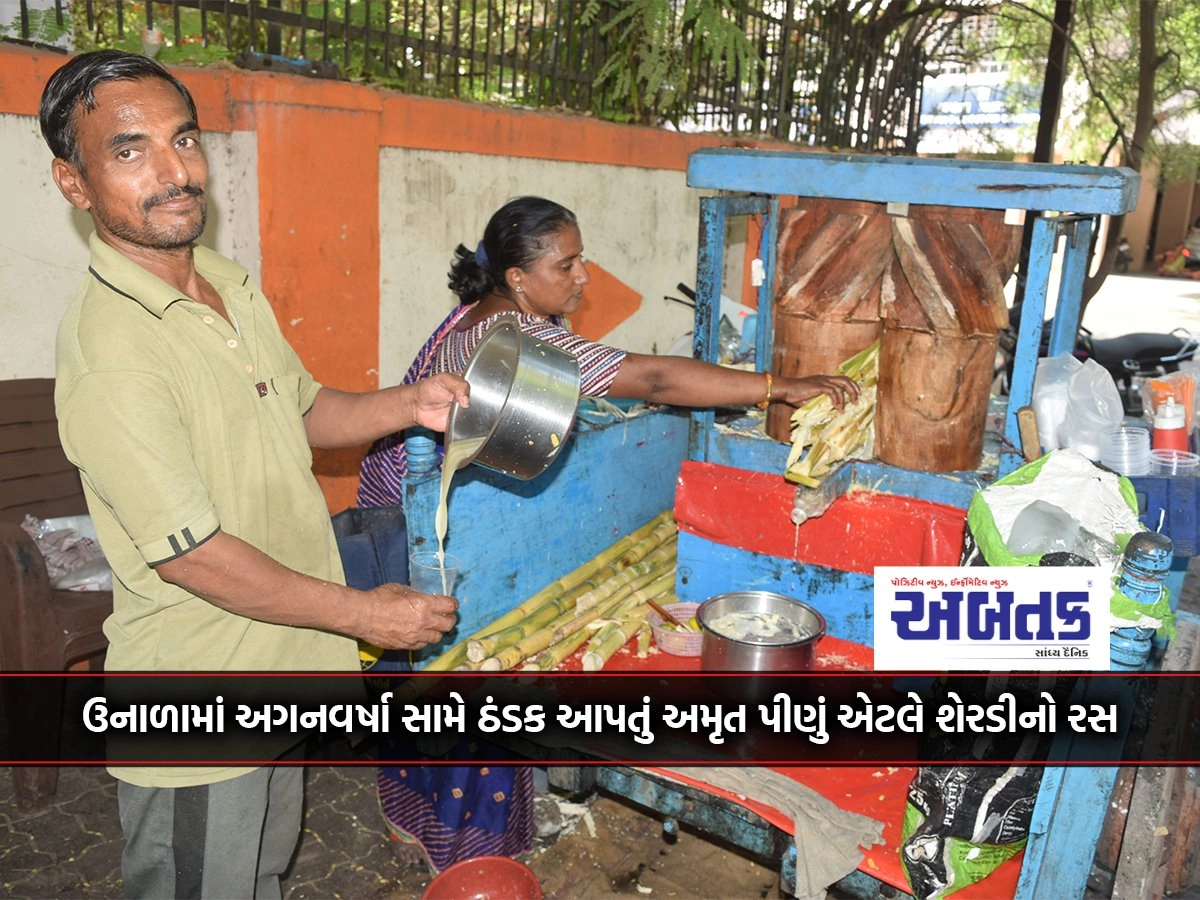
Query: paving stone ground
[{"x": 72, "y": 849}]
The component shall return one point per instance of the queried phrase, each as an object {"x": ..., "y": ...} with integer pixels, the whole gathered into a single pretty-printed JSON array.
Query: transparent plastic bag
[
  {"x": 1093, "y": 408},
  {"x": 1051, "y": 382},
  {"x": 72, "y": 556},
  {"x": 1042, "y": 527},
  {"x": 1178, "y": 386}
]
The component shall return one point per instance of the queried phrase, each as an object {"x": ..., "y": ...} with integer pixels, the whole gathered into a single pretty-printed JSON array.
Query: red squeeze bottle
[{"x": 1170, "y": 432}]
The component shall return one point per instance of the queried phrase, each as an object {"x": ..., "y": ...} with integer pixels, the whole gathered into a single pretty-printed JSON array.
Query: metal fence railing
[{"x": 818, "y": 72}]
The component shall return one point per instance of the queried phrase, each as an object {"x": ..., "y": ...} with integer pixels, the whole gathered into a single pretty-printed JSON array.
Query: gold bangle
[{"x": 767, "y": 399}]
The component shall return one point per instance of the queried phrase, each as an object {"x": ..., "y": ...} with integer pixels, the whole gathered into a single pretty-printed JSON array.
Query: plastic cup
[
  {"x": 1126, "y": 450},
  {"x": 429, "y": 575},
  {"x": 1175, "y": 462}
]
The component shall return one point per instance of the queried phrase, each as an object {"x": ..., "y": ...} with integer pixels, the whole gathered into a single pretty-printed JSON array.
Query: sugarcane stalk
[
  {"x": 489, "y": 645},
  {"x": 643, "y": 643},
  {"x": 535, "y": 642},
  {"x": 655, "y": 530},
  {"x": 632, "y": 578},
  {"x": 596, "y": 588},
  {"x": 553, "y": 656},
  {"x": 611, "y": 638},
  {"x": 620, "y": 605},
  {"x": 511, "y": 656}
]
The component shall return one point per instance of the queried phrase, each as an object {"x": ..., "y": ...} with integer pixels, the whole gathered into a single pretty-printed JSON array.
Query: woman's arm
[
  {"x": 681, "y": 381},
  {"x": 340, "y": 419}
]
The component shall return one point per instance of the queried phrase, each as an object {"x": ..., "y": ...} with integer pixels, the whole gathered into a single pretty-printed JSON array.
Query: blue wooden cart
[{"x": 616, "y": 473}]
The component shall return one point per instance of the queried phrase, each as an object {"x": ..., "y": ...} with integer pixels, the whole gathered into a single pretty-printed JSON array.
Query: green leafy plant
[
  {"x": 658, "y": 46},
  {"x": 44, "y": 27}
]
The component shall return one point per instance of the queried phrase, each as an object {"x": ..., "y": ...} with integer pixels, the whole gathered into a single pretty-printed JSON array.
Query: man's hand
[
  {"x": 436, "y": 395},
  {"x": 399, "y": 618},
  {"x": 231, "y": 574}
]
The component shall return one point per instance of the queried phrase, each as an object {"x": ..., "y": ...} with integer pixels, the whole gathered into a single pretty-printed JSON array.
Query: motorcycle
[{"x": 1129, "y": 358}]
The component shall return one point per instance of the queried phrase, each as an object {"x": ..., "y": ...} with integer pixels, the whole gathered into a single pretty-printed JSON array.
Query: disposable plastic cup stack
[
  {"x": 1175, "y": 462},
  {"x": 1126, "y": 450}
]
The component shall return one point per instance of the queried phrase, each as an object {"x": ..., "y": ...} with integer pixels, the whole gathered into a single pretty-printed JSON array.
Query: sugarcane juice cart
[{"x": 732, "y": 505}]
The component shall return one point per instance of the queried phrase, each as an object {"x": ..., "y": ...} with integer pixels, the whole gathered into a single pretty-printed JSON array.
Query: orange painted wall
[
  {"x": 22, "y": 75},
  {"x": 319, "y": 227},
  {"x": 608, "y": 302},
  {"x": 426, "y": 124},
  {"x": 318, "y": 177}
]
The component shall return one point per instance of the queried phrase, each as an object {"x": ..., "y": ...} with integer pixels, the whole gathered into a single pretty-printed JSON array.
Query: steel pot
[
  {"x": 524, "y": 394},
  {"x": 790, "y": 630}
]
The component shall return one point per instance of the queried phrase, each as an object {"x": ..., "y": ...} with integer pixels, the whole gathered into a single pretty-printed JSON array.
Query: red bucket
[{"x": 485, "y": 878}]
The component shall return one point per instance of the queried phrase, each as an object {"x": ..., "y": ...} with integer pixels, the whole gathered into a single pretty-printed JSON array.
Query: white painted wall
[
  {"x": 43, "y": 252},
  {"x": 641, "y": 225},
  {"x": 43, "y": 239}
]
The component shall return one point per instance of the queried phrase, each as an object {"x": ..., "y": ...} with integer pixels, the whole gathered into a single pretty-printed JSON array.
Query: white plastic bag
[
  {"x": 1089, "y": 494},
  {"x": 1093, "y": 408},
  {"x": 1050, "y": 395}
]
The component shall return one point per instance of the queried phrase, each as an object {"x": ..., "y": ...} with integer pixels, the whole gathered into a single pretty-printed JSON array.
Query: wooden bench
[{"x": 41, "y": 629}]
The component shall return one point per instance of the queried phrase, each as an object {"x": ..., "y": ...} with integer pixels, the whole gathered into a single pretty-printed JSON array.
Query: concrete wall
[
  {"x": 641, "y": 228},
  {"x": 1174, "y": 217},
  {"x": 347, "y": 202},
  {"x": 1140, "y": 221},
  {"x": 1180, "y": 208}
]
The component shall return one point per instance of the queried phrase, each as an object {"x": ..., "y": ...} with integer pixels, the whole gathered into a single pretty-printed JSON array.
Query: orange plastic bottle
[{"x": 1170, "y": 431}]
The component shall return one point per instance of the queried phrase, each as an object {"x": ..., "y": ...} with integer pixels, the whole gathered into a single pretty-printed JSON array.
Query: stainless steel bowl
[
  {"x": 791, "y": 632},
  {"x": 524, "y": 394}
]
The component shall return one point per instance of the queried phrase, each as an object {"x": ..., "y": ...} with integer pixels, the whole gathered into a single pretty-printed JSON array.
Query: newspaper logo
[{"x": 1011, "y": 618}]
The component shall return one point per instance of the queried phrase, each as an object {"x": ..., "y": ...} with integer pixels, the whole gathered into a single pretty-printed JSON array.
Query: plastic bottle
[
  {"x": 811, "y": 502},
  {"x": 1144, "y": 567},
  {"x": 1170, "y": 427},
  {"x": 422, "y": 452}
]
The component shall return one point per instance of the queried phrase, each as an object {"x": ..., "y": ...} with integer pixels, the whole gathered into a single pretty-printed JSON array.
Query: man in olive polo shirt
[{"x": 191, "y": 421}]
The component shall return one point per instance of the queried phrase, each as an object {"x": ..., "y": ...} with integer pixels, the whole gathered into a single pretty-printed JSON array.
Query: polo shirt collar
[{"x": 123, "y": 275}]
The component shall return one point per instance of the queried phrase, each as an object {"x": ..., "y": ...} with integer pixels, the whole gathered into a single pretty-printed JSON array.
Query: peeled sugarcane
[
  {"x": 511, "y": 656},
  {"x": 643, "y": 643},
  {"x": 612, "y": 637},
  {"x": 847, "y": 437},
  {"x": 832, "y": 436},
  {"x": 552, "y": 657},
  {"x": 632, "y": 578},
  {"x": 633, "y": 546},
  {"x": 594, "y": 589}
]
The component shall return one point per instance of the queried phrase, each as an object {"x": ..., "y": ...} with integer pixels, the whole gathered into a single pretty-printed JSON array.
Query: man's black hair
[{"x": 74, "y": 86}]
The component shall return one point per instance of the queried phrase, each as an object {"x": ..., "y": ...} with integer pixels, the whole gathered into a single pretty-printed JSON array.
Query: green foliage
[
  {"x": 661, "y": 44},
  {"x": 1178, "y": 162},
  {"x": 194, "y": 54},
  {"x": 1100, "y": 101},
  {"x": 190, "y": 49},
  {"x": 825, "y": 72},
  {"x": 43, "y": 27}
]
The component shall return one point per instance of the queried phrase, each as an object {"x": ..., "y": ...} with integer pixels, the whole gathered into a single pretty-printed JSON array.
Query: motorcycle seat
[{"x": 1142, "y": 346}]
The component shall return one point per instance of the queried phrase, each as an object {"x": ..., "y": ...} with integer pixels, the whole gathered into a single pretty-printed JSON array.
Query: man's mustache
[{"x": 174, "y": 192}]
